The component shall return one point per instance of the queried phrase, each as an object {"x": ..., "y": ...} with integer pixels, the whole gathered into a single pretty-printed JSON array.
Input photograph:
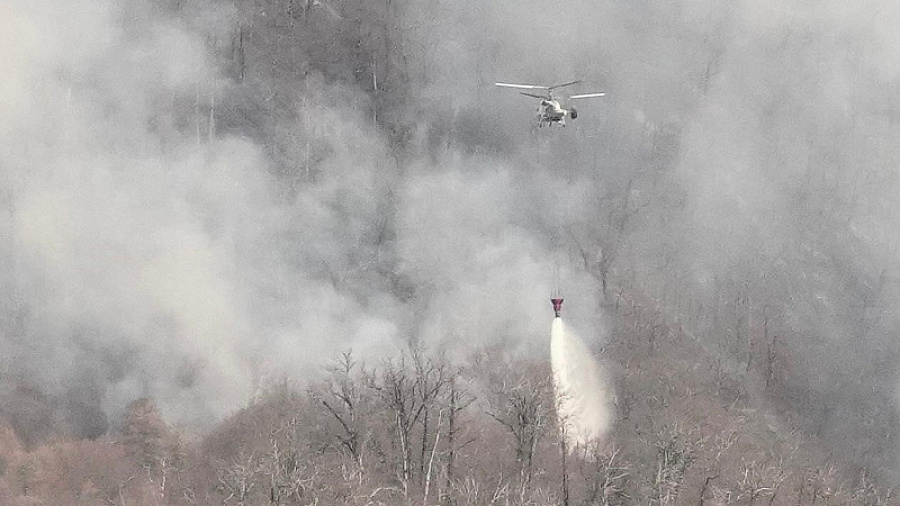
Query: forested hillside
[{"x": 300, "y": 252}]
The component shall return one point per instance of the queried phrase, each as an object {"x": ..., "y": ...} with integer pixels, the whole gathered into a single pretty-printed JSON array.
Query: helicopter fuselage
[{"x": 551, "y": 112}]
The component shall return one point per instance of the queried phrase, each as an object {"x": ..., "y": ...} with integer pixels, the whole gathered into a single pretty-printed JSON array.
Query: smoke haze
[
  {"x": 147, "y": 256},
  {"x": 741, "y": 171}
]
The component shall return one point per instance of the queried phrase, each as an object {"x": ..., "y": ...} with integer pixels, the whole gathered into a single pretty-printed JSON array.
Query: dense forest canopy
[{"x": 204, "y": 203}]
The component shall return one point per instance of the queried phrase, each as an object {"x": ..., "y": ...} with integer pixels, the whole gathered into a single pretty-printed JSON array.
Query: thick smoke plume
[{"x": 147, "y": 254}]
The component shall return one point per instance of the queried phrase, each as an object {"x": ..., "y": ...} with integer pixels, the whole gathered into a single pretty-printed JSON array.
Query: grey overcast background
[{"x": 170, "y": 231}]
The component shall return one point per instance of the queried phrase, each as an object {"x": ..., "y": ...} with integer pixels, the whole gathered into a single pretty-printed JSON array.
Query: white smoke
[
  {"x": 582, "y": 394},
  {"x": 148, "y": 259},
  {"x": 145, "y": 252}
]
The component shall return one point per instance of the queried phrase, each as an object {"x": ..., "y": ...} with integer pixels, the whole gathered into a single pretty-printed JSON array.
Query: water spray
[{"x": 581, "y": 392}]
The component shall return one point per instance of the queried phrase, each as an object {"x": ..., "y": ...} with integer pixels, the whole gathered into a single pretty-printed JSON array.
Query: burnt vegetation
[{"x": 423, "y": 429}]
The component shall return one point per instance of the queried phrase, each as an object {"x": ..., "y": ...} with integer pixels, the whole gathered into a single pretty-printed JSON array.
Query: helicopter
[{"x": 551, "y": 110}]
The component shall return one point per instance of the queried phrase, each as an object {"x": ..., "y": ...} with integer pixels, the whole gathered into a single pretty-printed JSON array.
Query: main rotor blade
[
  {"x": 521, "y": 86},
  {"x": 589, "y": 95},
  {"x": 533, "y": 95},
  {"x": 570, "y": 83}
]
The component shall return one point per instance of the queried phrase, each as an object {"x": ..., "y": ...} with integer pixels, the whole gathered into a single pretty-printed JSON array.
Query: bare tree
[
  {"x": 408, "y": 394},
  {"x": 867, "y": 493},
  {"x": 521, "y": 399},
  {"x": 153, "y": 445},
  {"x": 237, "y": 479},
  {"x": 760, "y": 481},
  {"x": 286, "y": 470},
  {"x": 721, "y": 445},
  {"x": 433, "y": 378},
  {"x": 604, "y": 476},
  {"x": 674, "y": 454},
  {"x": 341, "y": 397},
  {"x": 819, "y": 486},
  {"x": 458, "y": 400}
]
